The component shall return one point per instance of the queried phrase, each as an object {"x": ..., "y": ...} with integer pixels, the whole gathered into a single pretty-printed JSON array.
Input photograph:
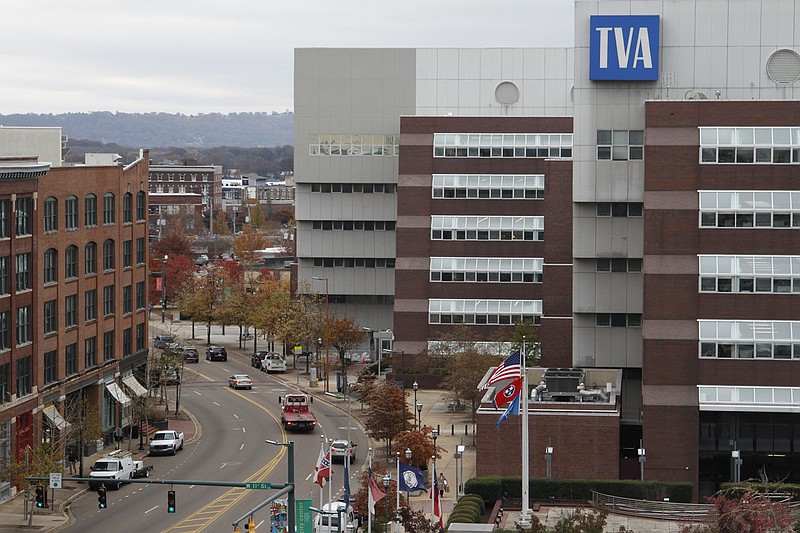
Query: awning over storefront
[
  {"x": 55, "y": 418},
  {"x": 133, "y": 384},
  {"x": 118, "y": 395}
]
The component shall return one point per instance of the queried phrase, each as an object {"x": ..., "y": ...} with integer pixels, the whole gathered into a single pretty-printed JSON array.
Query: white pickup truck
[
  {"x": 116, "y": 465},
  {"x": 166, "y": 441}
]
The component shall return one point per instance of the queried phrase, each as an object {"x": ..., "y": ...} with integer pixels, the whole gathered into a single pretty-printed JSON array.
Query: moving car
[
  {"x": 240, "y": 381},
  {"x": 273, "y": 362},
  {"x": 340, "y": 450},
  {"x": 202, "y": 260},
  {"x": 216, "y": 353},
  {"x": 190, "y": 354}
]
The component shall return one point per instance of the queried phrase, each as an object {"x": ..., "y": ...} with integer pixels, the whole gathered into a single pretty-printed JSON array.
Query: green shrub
[
  {"x": 470, "y": 506},
  {"x": 489, "y": 488},
  {"x": 474, "y": 498}
]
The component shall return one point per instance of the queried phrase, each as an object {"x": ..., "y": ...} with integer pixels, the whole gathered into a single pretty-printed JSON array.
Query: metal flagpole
[
  {"x": 524, "y": 519},
  {"x": 398, "y": 482},
  {"x": 369, "y": 495},
  {"x": 330, "y": 474}
]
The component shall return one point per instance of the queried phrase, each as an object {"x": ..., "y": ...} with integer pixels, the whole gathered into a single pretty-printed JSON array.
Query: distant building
[{"x": 184, "y": 196}]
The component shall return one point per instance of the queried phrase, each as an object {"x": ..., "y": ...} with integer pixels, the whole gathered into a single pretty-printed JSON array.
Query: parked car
[
  {"x": 257, "y": 359},
  {"x": 273, "y": 362},
  {"x": 216, "y": 353},
  {"x": 161, "y": 341},
  {"x": 202, "y": 260},
  {"x": 340, "y": 450},
  {"x": 190, "y": 354},
  {"x": 240, "y": 381},
  {"x": 166, "y": 441}
]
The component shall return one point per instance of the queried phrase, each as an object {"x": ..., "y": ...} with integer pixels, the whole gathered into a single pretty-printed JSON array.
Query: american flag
[{"x": 508, "y": 369}]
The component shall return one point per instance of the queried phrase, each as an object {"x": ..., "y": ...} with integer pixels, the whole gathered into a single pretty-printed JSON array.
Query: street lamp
[
  {"x": 419, "y": 413},
  {"x": 642, "y": 459},
  {"x": 736, "y": 456},
  {"x": 327, "y": 332},
  {"x": 459, "y": 456},
  {"x": 415, "y": 386},
  {"x": 290, "y": 481},
  {"x": 435, "y": 433},
  {"x": 163, "y": 288},
  {"x": 409, "y": 453},
  {"x": 387, "y": 480},
  {"x": 548, "y": 457}
]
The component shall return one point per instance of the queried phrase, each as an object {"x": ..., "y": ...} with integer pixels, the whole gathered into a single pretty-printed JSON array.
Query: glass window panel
[
  {"x": 744, "y": 136},
  {"x": 744, "y": 351},
  {"x": 708, "y": 136},
  {"x": 725, "y": 136},
  {"x": 763, "y": 155},
  {"x": 707, "y": 155},
  {"x": 763, "y": 136},
  {"x": 781, "y": 136}
]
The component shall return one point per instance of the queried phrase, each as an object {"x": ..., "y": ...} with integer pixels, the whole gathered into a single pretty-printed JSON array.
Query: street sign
[
  {"x": 258, "y": 485},
  {"x": 55, "y": 480},
  {"x": 305, "y": 520}
]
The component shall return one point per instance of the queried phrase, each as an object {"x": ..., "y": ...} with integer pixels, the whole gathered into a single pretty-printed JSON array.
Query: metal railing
[{"x": 688, "y": 512}]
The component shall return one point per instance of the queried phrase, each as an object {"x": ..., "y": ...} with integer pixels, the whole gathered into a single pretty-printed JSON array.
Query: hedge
[
  {"x": 491, "y": 488},
  {"x": 473, "y": 498}
]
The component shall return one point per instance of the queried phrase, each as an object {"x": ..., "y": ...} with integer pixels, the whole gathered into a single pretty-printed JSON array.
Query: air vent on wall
[
  {"x": 506, "y": 93},
  {"x": 783, "y": 66}
]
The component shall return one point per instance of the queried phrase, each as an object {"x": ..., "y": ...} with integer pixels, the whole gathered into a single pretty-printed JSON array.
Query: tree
[
  {"x": 344, "y": 335},
  {"x": 202, "y": 298},
  {"x": 465, "y": 370},
  {"x": 248, "y": 245},
  {"x": 257, "y": 218},
  {"x": 361, "y": 498},
  {"x": 220, "y": 223},
  {"x": 415, "y": 521},
  {"x": 745, "y": 509},
  {"x": 364, "y": 385},
  {"x": 384, "y": 418},
  {"x": 526, "y": 335},
  {"x": 420, "y": 442},
  {"x": 174, "y": 244}
]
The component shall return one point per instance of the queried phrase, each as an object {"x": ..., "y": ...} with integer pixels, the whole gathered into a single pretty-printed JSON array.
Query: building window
[
  {"x": 50, "y": 215},
  {"x": 109, "y": 214},
  {"x": 24, "y": 385},
  {"x": 71, "y": 311},
  {"x": 108, "y": 346},
  {"x": 619, "y": 320},
  {"x": 23, "y": 325},
  {"x": 620, "y": 145},
  {"x": 354, "y": 225},
  {"x": 90, "y": 352},
  {"x": 50, "y": 317},
  {"x": 618, "y": 265},
  {"x": 750, "y": 209},
  {"x": 127, "y": 346},
  {"x": 491, "y": 228},
  {"x": 23, "y": 216},
  {"x": 620, "y": 209},
  {"x": 127, "y": 299},
  {"x": 765, "y": 145},
  {"x": 140, "y": 338},
  {"x": 90, "y": 261},
  {"x": 50, "y": 266},
  {"x": 4, "y": 282},
  {"x": 140, "y": 251},
  {"x": 5, "y": 383},
  {"x": 483, "y": 312},
  {"x": 5, "y": 330},
  {"x": 127, "y": 254},
  {"x": 108, "y": 255},
  {"x": 530, "y": 145},
  {"x": 486, "y": 269},
  {"x": 346, "y": 188},
  {"x": 5, "y": 217},
  {"x": 71, "y": 262},
  {"x": 127, "y": 208},
  {"x": 749, "y": 274},
  {"x": 50, "y": 367},
  {"x": 489, "y": 186},
  {"x": 141, "y": 206},
  {"x": 749, "y": 339},
  {"x": 90, "y": 210},
  {"x": 90, "y": 305},
  {"x": 140, "y": 296},
  {"x": 71, "y": 359},
  {"x": 71, "y": 213},
  {"x": 23, "y": 272},
  {"x": 108, "y": 300},
  {"x": 354, "y": 262},
  {"x": 355, "y": 145}
]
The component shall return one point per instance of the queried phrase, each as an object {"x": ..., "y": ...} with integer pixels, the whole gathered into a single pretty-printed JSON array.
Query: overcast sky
[{"x": 202, "y": 56}]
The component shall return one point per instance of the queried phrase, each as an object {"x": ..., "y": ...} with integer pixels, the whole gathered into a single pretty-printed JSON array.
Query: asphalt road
[{"x": 231, "y": 448}]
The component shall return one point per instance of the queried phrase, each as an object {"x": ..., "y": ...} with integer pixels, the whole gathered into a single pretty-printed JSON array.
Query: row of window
[
  {"x": 356, "y": 145},
  {"x": 492, "y": 228},
  {"x": 749, "y": 209},
  {"x": 752, "y": 219},
  {"x": 619, "y": 320},
  {"x": 620, "y": 145},
  {"x": 619, "y": 209},
  {"x": 552, "y": 145},
  {"x": 497, "y": 186},
  {"x": 486, "y": 269},
  {"x": 368, "y": 188},
  {"x": 760, "y": 350},
  {"x": 181, "y": 176},
  {"x": 90, "y": 210},
  {"x": 779, "y": 145},
  {"x": 90, "y": 355},
  {"x": 443, "y": 311},
  {"x": 50, "y": 309},
  {"x": 749, "y": 273},
  {"x": 354, "y": 262},
  {"x": 50, "y": 260},
  {"x": 22, "y": 217},
  {"x": 618, "y": 265},
  {"x": 354, "y": 225},
  {"x": 23, "y": 327}
]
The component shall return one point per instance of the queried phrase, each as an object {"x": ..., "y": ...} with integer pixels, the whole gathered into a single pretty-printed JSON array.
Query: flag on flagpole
[
  {"x": 411, "y": 479},
  {"x": 437, "y": 507},
  {"x": 375, "y": 493},
  {"x": 323, "y": 471},
  {"x": 346, "y": 483},
  {"x": 508, "y": 369},
  {"x": 513, "y": 409},
  {"x": 508, "y": 394}
]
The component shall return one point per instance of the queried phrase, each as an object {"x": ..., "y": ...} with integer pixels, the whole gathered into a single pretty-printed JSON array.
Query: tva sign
[{"x": 623, "y": 47}]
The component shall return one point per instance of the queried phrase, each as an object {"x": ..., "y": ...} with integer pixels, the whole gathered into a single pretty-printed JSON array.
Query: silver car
[{"x": 240, "y": 381}]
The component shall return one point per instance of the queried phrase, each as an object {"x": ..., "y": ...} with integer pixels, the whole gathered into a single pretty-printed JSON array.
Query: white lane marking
[
  {"x": 235, "y": 415},
  {"x": 241, "y": 447},
  {"x": 244, "y": 430},
  {"x": 309, "y": 476},
  {"x": 191, "y": 486},
  {"x": 215, "y": 403},
  {"x": 197, "y": 393},
  {"x": 151, "y": 509},
  {"x": 259, "y": 524},
  {"x": 226, "y": 370}
]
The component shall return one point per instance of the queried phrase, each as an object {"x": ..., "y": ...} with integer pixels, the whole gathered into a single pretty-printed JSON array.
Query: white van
[
  {"x": 329, "y": 523},
  {"x": 273, "y": 362}
]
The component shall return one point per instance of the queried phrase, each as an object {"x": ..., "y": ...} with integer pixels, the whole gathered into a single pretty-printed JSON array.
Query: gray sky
[{"x": 200, "y": 56}]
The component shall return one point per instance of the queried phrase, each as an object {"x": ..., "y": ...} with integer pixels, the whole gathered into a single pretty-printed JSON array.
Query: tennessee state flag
[{"x": 509, "y": 393}]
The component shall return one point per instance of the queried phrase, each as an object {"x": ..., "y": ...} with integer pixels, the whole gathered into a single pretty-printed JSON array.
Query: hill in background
[{"x": 146, "y": 130}]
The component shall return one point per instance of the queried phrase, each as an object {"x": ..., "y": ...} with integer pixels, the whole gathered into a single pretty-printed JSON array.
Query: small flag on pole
[
  {"x": 513, "y": 409},
  {"x": 411, "y": 478},
  {"x": 323, "y": 471},
  {"x": 508, "y": 369},
  {"x": 508, "y": 394},
  {"x": 375, "y": 493}
]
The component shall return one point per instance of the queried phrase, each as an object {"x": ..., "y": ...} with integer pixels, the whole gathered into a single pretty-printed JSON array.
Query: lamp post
[
  {"x": 290, "y": 481},
  {"x": 327, "y": 332},
  {"x": 548, "y": 457},
  {"x": 163, "y": 288},
  {"x": 387, "y": 480},
  {"x": 460, "y": 449},
  {"x": 736, "y": 456},
  {"x": 435, "y": 434},
  {"x": 419, "y": 415},
  {"x": 409, "y": 453},
  {"x": 642, "y": 459},
  {"x": 415, "y": 386}
]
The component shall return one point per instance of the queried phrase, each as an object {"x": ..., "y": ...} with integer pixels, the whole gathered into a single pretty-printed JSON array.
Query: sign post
[
  {"x": 55, "y": 483},
  {"x": 304, "y": 516}
]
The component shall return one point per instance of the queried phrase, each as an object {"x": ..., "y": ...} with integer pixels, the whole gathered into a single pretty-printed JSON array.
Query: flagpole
[
  {"x": 330, "y": 480},
  {"x": 524, "y": 521},
  {"x": 369, "y": 495}
]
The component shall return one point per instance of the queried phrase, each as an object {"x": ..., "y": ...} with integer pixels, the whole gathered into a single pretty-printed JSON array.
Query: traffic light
[
  {"x": 101, "y": 497},
  {"x": 39, "y": 496},
  {"x": 171, "y": 501}
]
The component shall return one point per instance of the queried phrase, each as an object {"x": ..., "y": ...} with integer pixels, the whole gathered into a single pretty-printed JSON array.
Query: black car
[
  {"x": 162, "y": 341},
  {"x": 190, "y": 354},
  {"x": 216, "y": 353},
  {"x": 255, "y": 361}
]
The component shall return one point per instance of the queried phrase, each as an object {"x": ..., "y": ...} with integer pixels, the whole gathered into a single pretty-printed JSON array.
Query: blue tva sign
[{"x": 624, "y": 47}]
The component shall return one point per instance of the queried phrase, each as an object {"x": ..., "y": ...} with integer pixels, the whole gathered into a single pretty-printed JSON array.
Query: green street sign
[
  {"x": 304, "y": 516},
  {"x": 258, "y": 485}
]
